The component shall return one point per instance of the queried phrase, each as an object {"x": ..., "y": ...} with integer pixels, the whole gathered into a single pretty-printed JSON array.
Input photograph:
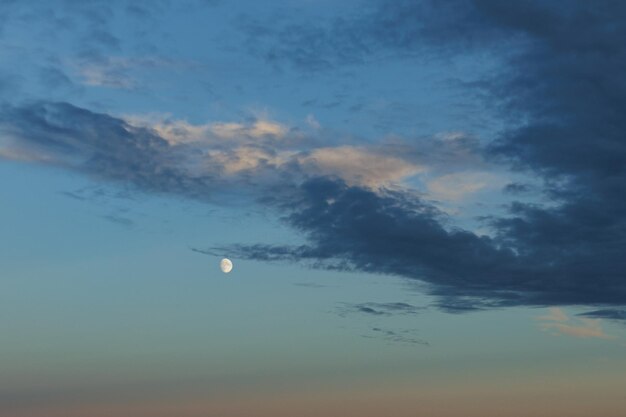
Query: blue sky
[{"x": 422, "y": 201}]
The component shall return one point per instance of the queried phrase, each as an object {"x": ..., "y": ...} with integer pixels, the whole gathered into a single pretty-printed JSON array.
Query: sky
[{"x": 423, "y": 202}]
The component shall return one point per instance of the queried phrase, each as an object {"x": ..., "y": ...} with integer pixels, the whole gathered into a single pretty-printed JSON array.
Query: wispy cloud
[
  {"x": 257, "y": 129},
  {"x": 260, "y": 145},
  {"x": 406, "y": 336},
  {"x": 379, "y": 309},
  {"x": 460, "y": 185},
  {"x": 559, "y": 323},
  {"x": 119, "y": 72},
  {"x": 178, "y": 131},
  {"x": 359, "y": 165},
  {"x": 111, "y": 73},
  {"x": 309, "y": 285},
  {"x": 382, "y": 314},
  {"x": 120, "y": 220}
]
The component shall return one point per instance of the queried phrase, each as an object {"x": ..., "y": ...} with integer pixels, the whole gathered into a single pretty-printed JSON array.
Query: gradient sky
[{"x": 423, "y": 201}]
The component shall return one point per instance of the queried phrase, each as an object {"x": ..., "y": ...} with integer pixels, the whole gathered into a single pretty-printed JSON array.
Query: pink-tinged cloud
[{"x": 559, "y": 323}]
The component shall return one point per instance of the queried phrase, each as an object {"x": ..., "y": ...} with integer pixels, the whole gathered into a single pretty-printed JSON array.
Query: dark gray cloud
[
  {"x": 350, "y": 228},
  {"x": 568, "y": 88},
  {"x": 98, "y": 145},
  {"x": 562, "y": 95},
  {"x": 611, "y": 314},
  {"x": 380, "y": 309},
  {"x": 516, "y": 188}
]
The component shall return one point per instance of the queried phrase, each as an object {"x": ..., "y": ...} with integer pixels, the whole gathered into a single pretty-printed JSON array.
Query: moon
[{"x": 226, "y": 265}]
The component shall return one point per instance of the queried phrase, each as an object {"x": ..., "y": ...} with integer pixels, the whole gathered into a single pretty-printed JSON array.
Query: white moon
[{"x": 226, "y": 265}]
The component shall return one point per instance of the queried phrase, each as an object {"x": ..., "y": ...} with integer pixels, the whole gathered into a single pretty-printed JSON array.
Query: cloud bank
[{"x": 561, "y": 97}]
